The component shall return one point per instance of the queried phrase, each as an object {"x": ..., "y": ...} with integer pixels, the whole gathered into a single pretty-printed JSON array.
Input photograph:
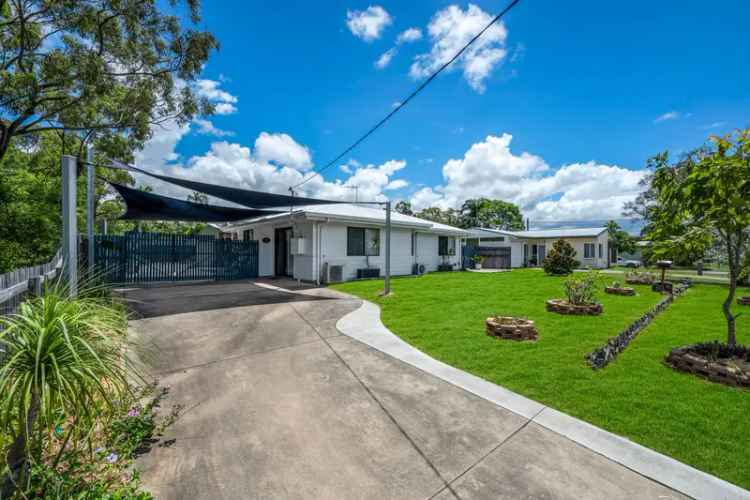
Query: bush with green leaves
[
  {"x": 560, "y": 259},
  {"x": 64, "y": 362},
  {"x": 582, "y": 290}
]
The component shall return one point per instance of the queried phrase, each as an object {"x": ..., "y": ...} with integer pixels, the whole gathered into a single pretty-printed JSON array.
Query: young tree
[
  {"x": 560, "y": 259},
  {"x": 705, "y": 194},
  {"x": 104, "y": 70}
]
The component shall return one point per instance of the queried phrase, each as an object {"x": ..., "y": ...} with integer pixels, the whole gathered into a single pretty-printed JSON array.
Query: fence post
[
  {"x": 90, "y": 195},
  {"x": 70, "y": 223}
]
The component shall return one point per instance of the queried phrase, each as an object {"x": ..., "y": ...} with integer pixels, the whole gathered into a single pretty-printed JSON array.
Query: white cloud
[
  {"x": 211, "y": 91},
  {"x": 669, "y": 115},
  {"x": 205, "y": 127},
  {"x": 713, "y": 125},
  {"x": 368, "y": 24},
  {"x": 452, "y": 28},
  {"x": 396, "y": 184},
  {"x": 576, "y": 191},
  {"x": 282, "y": 150},
  {"x": 225, "y": 108},
  {"x": 385, "y": 59},
  {"x": 408, "y": 36}
]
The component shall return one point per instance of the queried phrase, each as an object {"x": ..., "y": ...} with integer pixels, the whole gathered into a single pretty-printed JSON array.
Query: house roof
[
  {"x": 366, "y": 214},
  {"x": 585, "y": 232}
]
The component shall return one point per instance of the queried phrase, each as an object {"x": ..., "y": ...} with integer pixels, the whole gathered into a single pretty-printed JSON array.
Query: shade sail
[
  {"x": 148, "y": 206},
  {"x": 246, "y": 197}
]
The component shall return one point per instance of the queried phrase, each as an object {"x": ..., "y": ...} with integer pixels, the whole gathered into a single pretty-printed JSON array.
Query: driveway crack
[{"x": 446, "y": 484}]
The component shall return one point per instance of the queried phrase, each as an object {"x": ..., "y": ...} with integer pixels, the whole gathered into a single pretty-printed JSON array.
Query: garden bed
[
  {"x": 620, "y": 290},
  {"x": 713, "y": 361},
  {"x": 562, "y": 306},
  {"x": 510, "y": 328}
]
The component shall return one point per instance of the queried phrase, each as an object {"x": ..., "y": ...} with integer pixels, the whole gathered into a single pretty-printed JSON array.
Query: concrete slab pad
[
  {"x": 178, "y": 341},
  {"x": 538, "y": 463},
  {"x": 453, "y": 428},
  {"x": 291, "y": 423},
  {"x": 323, "y": 315}
]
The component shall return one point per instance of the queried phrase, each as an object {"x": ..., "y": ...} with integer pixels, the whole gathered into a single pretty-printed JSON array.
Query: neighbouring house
[
  {"x": 339, "y": 242},
  {"x": 508, "y": 249}
]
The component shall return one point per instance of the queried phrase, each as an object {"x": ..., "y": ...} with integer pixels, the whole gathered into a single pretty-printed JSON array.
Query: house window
[
  {"x": 362, "y": 241},
  {"x": 446, "y": 245},
  {"x": 498, "y": 238},
  {"x": 248, "y": 235},
  {"x": 589, "y": 251},
  {"x": 601, "y": 250}
]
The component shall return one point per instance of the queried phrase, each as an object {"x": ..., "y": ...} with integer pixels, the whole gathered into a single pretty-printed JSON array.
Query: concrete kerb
[{"x": 364, "y": 325}]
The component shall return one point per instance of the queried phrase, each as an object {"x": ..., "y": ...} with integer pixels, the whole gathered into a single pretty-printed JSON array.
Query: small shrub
[
  {"x": 477, "y": 259},
  {"x": 560, "y": 259},
  {"x": 582, "y": 290}
]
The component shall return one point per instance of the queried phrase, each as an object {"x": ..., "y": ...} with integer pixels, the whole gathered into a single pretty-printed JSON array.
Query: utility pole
[
  {"x": 70, "y": 224},
  {"x": 90, "y": 195},
  {"x": 387, "y": 284}
]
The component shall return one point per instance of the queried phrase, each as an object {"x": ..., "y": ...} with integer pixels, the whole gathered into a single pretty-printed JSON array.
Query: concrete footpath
[{"x": 280, "y": 404}]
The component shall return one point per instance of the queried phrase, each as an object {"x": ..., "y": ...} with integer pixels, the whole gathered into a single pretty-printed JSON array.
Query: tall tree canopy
[
  {"x": 622, "y": 241},
  {"x": 105, "y": 70},
  {"x": 496, "y": 214},
  {"x": 706, "y": 195}
]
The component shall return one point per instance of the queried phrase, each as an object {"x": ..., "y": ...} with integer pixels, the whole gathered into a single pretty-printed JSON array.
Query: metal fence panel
[{"x": 153, "y": 257}]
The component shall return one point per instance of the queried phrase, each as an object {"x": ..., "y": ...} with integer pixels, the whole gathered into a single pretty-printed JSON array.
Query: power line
[{"x": 410, "y": 97}]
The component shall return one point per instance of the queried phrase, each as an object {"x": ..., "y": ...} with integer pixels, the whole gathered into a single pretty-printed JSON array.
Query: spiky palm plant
[{"x": 62, "y": 358}]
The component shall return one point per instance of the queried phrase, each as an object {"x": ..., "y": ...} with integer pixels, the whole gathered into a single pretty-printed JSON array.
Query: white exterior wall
[
  {"x": 332, "y": 246},
  {"x": 576, "y": 243}
]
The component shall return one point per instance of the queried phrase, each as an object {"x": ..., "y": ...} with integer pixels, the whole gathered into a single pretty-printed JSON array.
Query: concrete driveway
[{"x": 279, "y": 404}]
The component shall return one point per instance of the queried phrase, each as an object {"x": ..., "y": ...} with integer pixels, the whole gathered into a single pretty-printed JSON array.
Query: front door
[{"x": 283, "y": 258}]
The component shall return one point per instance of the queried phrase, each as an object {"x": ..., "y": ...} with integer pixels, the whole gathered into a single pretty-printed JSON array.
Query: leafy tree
[
  {"x": 198, "y": 197},
  {"x": 560, "y": 260},
  {"x": 450, "y": 216},
  {"x": 622, "y": 241},
  {"x": 106, "y": 70},
  {"x": 705, "y": 194},
  {"x": 404, "y": 207},
  {"x": 497, "y": 214}
]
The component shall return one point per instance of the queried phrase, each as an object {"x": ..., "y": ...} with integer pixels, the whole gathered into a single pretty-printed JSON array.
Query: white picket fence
[{"x": 15, "y": 285}]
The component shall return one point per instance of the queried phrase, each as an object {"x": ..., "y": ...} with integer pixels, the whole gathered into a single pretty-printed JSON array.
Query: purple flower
[
  {"x": 112, "y": 458},
  {"x": 134, "y": 412}
]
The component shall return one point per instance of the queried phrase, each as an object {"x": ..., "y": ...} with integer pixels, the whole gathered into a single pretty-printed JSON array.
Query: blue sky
[{"x": 599, "y": 86}]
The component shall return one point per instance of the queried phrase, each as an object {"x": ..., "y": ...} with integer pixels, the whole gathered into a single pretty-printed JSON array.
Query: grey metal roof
[{"x": 580, "y": 232}]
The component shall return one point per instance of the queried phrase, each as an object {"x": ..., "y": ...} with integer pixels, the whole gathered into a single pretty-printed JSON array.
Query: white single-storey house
[
  {"x": 507, "y": 249},
  {"x": 339, "y": 242}
]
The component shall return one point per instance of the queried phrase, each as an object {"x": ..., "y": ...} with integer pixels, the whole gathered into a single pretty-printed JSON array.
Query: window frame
[
  {"x": 450, "y": 244},
  {"x": 586, "y": 253},
  {"x": 601, "y": 250},
  {"x": 364, "y": 231},
  {"x": 248, "y": 235}
]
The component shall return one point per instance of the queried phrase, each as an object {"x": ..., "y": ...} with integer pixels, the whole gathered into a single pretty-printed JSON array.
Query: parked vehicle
[{"x": 629, "y": 263}]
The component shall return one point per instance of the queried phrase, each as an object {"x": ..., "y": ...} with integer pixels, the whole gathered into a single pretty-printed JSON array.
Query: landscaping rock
[
  {"x": 510, "y": 328},
  {"x": 619, "y": 290},
  {"x": 602, "y": 356},
  {"x": 729, "y": 371},
  {"x": 562, "y": 306},
  {"x": 743, "y": 301},
  {"x": 636, "y": 278}
]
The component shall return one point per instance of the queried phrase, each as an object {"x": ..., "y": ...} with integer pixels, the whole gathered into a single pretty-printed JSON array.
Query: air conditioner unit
[
  {"x": 418, "y": 269},
  {"x": 335, "y": 273}
]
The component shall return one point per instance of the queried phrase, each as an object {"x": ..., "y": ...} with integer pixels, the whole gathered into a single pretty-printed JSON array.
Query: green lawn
[{"x": 704, "y": 424}]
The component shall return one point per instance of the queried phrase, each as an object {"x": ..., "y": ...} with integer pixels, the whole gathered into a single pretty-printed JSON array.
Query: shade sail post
[
  {"x": 387, "y": 284},
  {"x": 90, "y": 196},
  {"x": 70, "y": 224}
]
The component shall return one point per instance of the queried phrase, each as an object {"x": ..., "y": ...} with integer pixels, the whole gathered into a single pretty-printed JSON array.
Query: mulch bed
[
  {"x": 620, "y": 290},
  {"x": 730, "y": 368},
  {"x": 510, "y": 328},
  {"x": 562, "y": 306}
]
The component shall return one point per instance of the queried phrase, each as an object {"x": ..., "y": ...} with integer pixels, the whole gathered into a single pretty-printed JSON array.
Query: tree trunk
[
  {"x": 17, "y": 458},
  {"x": 733, "y": 255}
]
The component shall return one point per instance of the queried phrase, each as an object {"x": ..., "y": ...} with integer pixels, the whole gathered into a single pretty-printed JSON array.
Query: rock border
[
  {"x": 511, "y": 328},
  {"x": 601, "y": 357},
  {"x": 562, "y": 306},
  {"x": 722, "y": 371},
  {"x": 743, "y": 301},
  {"x": 620, "y": 290}
]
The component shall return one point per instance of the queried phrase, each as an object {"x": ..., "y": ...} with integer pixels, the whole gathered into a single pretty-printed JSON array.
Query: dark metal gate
[
  {"x": 494, "y": 257},
  {"x": 146, "y": 257}
]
